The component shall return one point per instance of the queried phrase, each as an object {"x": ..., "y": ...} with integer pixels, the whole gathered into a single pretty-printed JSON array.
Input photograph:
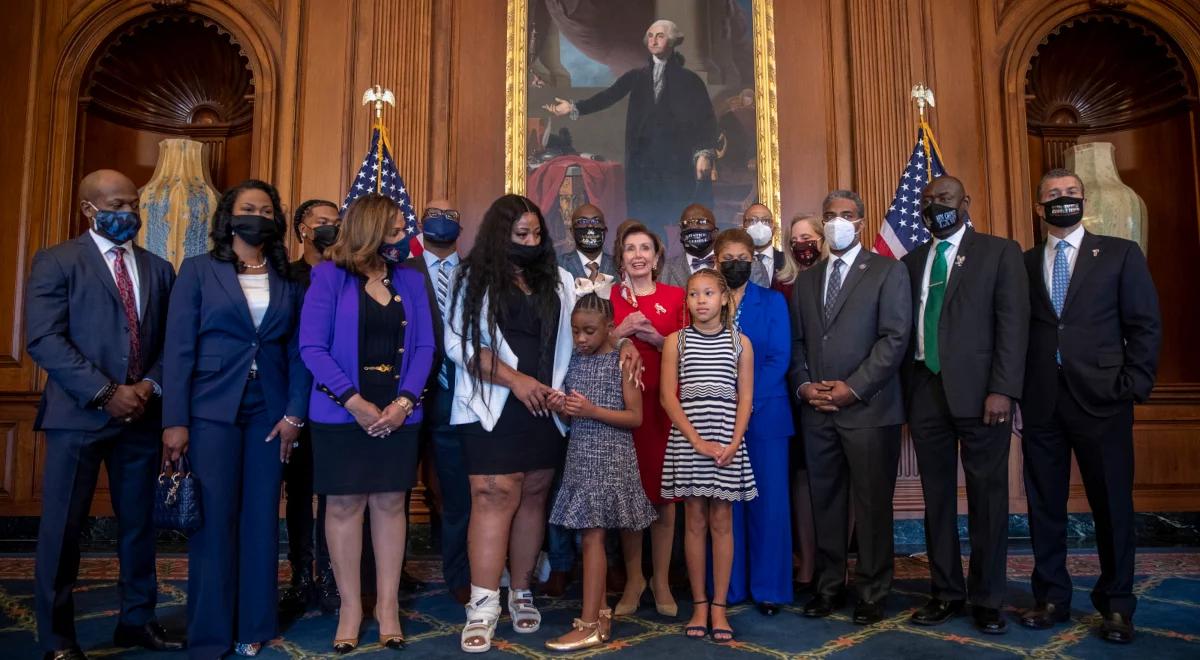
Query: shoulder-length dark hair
[
  {"x": 364, "y": 224},
  {"x": 274, "y": 249},
  {"x": 488, "y": 271}
]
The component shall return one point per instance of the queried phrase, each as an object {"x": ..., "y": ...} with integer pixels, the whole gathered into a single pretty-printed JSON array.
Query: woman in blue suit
[
  {"x": 235, "y": 395},
  {"x": 762, "y": 537}
]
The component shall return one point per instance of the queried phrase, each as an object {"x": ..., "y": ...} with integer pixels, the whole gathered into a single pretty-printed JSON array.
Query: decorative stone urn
[
  {"x": 1112, "y": 208},
  {"x": 178, "y": 203}
]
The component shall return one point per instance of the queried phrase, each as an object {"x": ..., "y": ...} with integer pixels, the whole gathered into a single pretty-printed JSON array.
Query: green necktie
[{"x": 933, "y": 307}]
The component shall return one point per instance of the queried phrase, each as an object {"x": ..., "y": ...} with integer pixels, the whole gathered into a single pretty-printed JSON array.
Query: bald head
[
  {"x": 107, "y": 190},
  {"x": 441, "y": 203},
  {"x": 587, "y": 211}
]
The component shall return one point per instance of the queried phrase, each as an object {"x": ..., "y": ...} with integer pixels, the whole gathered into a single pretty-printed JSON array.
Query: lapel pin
[
  {"x": 862, "y": 266},
  {"x": 1096, "y": 252},
  {"x": 659, "y": 308},
  {"x": 960, "y": 260}
]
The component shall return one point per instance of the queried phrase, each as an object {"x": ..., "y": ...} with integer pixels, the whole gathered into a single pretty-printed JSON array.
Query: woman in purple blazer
[{"x": 367, "y": 337}]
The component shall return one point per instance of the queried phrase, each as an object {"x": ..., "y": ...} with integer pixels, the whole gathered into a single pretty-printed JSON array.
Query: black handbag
[{"x": 177, "y": 497}]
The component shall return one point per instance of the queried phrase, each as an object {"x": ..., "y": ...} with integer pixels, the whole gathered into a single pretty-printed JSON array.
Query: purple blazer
[{"x": 329, "y": 339}]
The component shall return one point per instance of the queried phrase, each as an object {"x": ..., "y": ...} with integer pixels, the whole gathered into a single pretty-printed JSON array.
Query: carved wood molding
[
  {"x": 1102, "y": 72},
  {"x": 172, "y": 73}
]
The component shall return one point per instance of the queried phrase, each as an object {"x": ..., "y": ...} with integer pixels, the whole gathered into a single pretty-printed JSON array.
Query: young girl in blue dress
[
  {"x": 601, "y": 487},
  {"x": 707, "y": 390}
]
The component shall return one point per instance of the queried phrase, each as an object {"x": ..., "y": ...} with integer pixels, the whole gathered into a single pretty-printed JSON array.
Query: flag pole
[{"x": 379, "y": 95}]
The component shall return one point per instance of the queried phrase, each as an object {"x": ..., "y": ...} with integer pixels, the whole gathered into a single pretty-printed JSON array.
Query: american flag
[
  {"x": 378, "y": 174},
  {"x": 903, "y": 230}
]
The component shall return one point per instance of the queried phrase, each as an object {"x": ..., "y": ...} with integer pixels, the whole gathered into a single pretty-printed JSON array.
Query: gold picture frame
[{"x": 516, "y": 76}]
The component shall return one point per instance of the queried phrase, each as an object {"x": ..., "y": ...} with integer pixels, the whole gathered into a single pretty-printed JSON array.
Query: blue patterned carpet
[{"x": 1168, "y": 620}]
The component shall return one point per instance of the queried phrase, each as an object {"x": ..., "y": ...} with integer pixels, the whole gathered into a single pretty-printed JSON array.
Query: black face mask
[
  {"x": 941, "y": 220},
  {"x": 1063, "y": 211},
  {"x": 254, "y": 229},
  {"x": 589, "y": 239},
  {"x": 736, "y": 272},
  {"x": 524, "y": 256},
  {"x": 697, "y": 242},
  {"x": 324, "y": 236}
]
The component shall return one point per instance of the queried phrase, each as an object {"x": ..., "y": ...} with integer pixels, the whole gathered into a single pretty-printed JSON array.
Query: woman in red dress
[{"x": 646, "y": 312}]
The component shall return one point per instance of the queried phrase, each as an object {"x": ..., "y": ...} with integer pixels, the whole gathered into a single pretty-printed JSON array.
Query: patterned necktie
[
  {"x": 593, "y": 270},
  {"x": 129, "y": 302},
  {"x": 933, "y": 307},
  {"x": 761, "y": 257},
  {"x": 1060, "y": 279},
  {"x": 833, "y": 289},
  {"x": 698, "y": 263},
  {"x": 443, "y": 295}
]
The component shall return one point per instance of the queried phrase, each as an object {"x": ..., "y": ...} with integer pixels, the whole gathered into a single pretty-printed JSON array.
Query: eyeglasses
[
  {"x": 759, "y": 219},
  {"x": 589, "y": 221},
  {"x": 696, "y": 221},
  {"x": 432, "y": 211},
  {"x": 830, "y": 215}
]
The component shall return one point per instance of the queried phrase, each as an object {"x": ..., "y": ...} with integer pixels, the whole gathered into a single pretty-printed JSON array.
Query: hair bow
[{"x": 603, "y": 288}]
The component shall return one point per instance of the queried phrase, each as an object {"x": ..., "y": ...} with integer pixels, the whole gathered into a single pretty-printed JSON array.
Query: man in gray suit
[
  {"x": 697, "y": 231},
  {"x": 588, "y": 259},
  {"x": 852, "y": 317}
]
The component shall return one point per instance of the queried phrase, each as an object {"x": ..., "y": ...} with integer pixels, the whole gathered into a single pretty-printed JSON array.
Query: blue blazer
[
  {"x": 763, "y": 318},
  {"x": 213, "y": 342},
  {"x": 75, "y": 328}
]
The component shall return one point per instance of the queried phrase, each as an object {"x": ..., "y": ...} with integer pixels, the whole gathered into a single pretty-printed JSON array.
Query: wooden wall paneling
[{"x": 440, "y": 95}]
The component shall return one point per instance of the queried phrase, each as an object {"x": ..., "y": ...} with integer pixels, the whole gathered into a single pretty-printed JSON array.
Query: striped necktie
[{"x": 442, "y": 289}]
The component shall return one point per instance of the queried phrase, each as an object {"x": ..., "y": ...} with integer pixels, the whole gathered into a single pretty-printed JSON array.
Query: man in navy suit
[
  {"x": 759, "y": 222},
  {"x": 96, "y": 310},
  {"x": 1094, "y": 337}
]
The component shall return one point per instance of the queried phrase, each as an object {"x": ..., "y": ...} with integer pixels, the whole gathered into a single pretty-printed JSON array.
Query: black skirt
[{"x": 349, "y": 462}]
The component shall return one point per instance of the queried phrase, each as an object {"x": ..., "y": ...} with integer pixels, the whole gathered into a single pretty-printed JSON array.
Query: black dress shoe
[
  {"x": 989, "y": 621},
  {"x": 73, "y": 653},
  {"x": 768, "y": 609},
  {"x": 867, "y": 613},
  {"x": 937, "y": 612},
  {"x": 822, "y": 605},
  {"x": 151, "y": 636},
  {"x": 1045, "y": 615},
  {"x": 1117, "y": 628}
]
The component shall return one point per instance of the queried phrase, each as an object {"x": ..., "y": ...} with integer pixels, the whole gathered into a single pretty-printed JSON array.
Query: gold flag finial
[
  {"x": 924, "y": 96},
  {"x": 379, "y": 95}
]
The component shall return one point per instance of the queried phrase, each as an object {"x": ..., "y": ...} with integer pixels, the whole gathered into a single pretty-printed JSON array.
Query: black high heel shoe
[
  {"x": 726, "y": 635},
  {"x": 689, "y": 631}
]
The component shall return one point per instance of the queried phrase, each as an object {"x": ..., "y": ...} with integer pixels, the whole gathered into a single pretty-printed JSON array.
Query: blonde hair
[
  {"x": 364, "y": 224},
  {"x": 791, "y": 268}
]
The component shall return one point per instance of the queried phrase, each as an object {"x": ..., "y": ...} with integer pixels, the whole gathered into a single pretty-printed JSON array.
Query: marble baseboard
[{"x": 19, "y": 534}]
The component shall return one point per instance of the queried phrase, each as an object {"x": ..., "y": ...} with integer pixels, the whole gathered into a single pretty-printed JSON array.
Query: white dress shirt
[
  {"x": 105, "y": 246},
  {"x": 848, "y": 259},
  {"x": 1074, "y": 240},
  {"x": 954, "y": 240},
  {"x": 659, "y": 68}
]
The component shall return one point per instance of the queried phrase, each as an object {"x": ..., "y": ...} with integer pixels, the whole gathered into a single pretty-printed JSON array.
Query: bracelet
[
  {"x": 298, "y": 425},
  {"x": 404, "y": 401},
  {"x": 621, "y": 342},
  {"x": 105, "y": 395}
]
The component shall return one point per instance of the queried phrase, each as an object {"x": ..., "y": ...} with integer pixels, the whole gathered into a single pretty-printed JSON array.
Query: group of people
[{"x": 575, "y": 400}]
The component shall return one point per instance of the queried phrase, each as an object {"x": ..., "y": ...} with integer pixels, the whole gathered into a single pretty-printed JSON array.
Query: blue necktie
[
  {"x": 442, "y": 288},
  {"x": 698, "y": 263},
  {"x": 1060, "y": 279}
]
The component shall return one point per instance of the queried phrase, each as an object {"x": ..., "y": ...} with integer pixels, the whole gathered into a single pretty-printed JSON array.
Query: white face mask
[
  {"x": 840, "y": 233},
  {"x": 760, "y": 234}
]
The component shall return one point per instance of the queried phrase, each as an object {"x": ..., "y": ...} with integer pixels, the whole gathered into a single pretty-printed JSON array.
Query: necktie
[
  {"x": 593, "y": 270},
  {"x": 1060, "y": 279},
  {"x": 933, "y": 307},
  {"x": 762, "y": 258},
  {"x": 833, "y": 289},
  {"x": 129, "y": 302},
  {"x": 698, "y": 263},
  {"x": 443, "y": 295}
]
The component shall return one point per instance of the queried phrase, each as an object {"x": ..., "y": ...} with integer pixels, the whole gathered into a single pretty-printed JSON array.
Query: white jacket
[{"x": 481, "y": 401}]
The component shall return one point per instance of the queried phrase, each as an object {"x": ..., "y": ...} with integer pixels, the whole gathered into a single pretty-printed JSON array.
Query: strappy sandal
[
  {"x": 482, "y": 616},
  {"x": 690, "y": 631},
  {"x": 525, "y": 617},
  {"x": 606, "y": 617},
  {"x": 726, "y": 635}
]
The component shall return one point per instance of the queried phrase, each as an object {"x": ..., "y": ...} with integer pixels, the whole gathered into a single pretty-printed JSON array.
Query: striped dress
[{"x": 708, "y": 375}]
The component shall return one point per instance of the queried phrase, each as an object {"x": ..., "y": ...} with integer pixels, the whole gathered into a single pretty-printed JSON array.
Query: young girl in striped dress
[{"x": 706, "y": 389}]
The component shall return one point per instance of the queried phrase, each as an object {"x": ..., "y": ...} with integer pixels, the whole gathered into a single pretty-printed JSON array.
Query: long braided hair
[
  {"x": 728, "y": 310},
  {"x": 488, "y": 271}
]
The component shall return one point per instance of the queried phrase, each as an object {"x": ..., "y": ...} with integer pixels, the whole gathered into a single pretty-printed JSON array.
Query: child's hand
[
  {"x": 709, "y": 448},
  {"x": 577, "y": 405},
  {"x": 727, "y": 453},
  {"x": 555, "y": 401}
]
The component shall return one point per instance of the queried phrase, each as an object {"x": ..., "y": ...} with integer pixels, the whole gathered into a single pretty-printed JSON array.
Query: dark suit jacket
[
  {"x": 761, "y": 277},
  {"x": 570, "y": 262},
  {"x": 863, "y": 344},
  {"x": 984, "y": 326},
  {"x": 677, "y": 269},
  {"x": 1109, "y": 334},
  {"x": 439, "y": 327},
  {"x": 213, "y": 342},
  {"x": 75, "y": 328}
]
